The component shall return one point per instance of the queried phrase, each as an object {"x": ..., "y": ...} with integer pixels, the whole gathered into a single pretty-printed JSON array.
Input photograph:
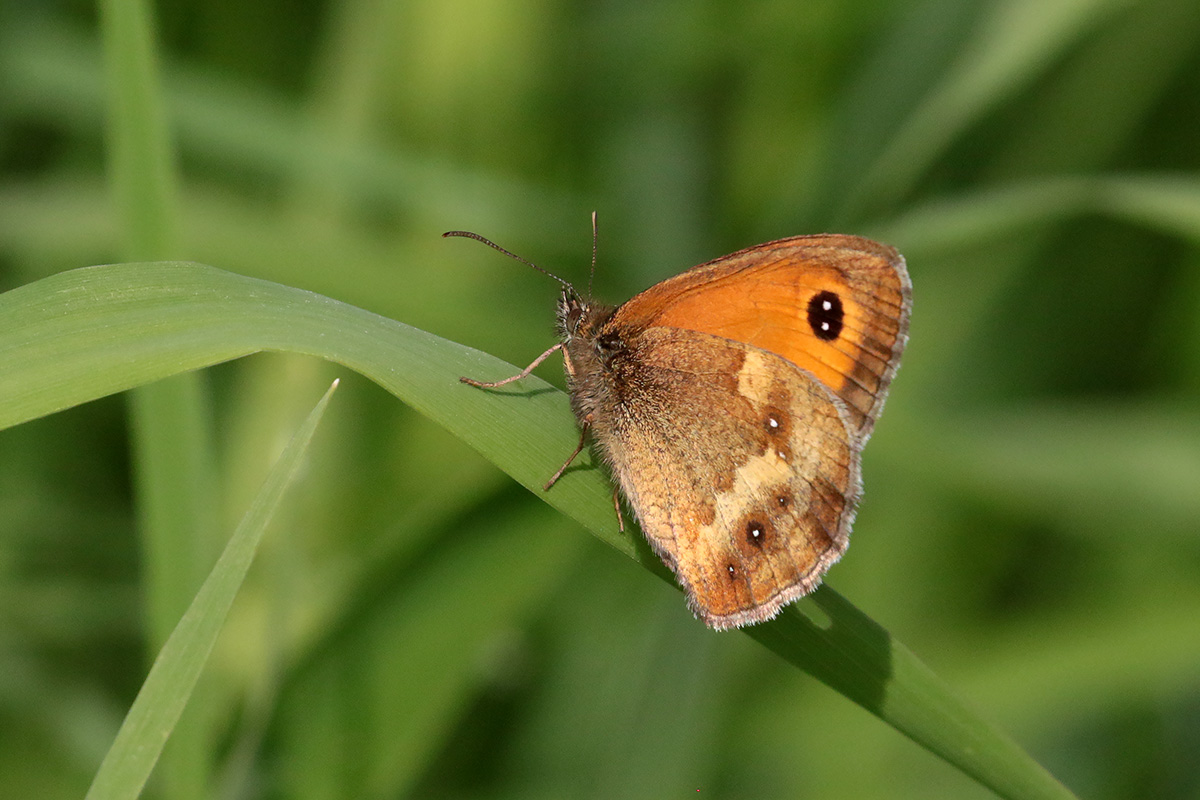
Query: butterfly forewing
[{"x": 836, "y": 306}]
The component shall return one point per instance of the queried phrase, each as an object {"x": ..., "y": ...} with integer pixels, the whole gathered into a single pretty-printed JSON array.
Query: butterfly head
[
  {"x": 571, "y": 311},
  {"x": 579, "y": 318}
]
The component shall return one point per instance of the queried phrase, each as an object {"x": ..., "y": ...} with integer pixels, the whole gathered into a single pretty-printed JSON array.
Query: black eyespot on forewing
[{"x": 826, "y": 316}]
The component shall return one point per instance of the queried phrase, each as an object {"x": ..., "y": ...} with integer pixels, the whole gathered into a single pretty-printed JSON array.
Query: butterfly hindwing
[{"x": 739, "y": 466}]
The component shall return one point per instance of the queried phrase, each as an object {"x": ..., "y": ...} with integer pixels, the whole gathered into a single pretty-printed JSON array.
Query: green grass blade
[
  {"x": 170, "y": 422},
  {"x": 859, "y": 659},
  {"x": 1168, "y": 203},
  {"x": 167, "y": 688},
  {"x": 83, "y": 334},
  {"x": 1011, "y": 46},
  {"x": 141, "y": 161}
]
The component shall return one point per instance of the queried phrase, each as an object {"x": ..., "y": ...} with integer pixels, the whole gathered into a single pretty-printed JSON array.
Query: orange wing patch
[{"x": 836, "y": 306}]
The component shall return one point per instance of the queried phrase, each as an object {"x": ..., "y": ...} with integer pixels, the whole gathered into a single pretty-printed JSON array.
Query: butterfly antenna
[
  {"x": 514, "y": 256},
  {"x": 592, "y": 274}
]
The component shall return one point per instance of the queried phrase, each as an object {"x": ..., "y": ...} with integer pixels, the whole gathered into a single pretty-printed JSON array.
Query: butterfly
[{"x": 732, "y": 402}]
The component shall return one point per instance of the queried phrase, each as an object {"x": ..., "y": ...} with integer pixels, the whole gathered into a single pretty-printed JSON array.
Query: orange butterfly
[{"x": 732, "y": 402}]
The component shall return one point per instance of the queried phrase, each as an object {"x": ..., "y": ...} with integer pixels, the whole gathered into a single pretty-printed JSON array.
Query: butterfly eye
[
  {"x": 570, "y": 311},
  {"x": 825, "y": 316}
]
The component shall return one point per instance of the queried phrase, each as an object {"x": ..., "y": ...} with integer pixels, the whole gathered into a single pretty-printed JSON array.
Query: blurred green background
[{"x": 416, "y": 625}]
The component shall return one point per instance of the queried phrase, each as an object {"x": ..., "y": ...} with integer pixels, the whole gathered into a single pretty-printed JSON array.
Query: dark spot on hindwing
[
  {"x": 764, "y": 527},
  {"x": 826, "y": 316},
  {"x": 777, "y": 422},
  {"x": 756, "y": 533}
]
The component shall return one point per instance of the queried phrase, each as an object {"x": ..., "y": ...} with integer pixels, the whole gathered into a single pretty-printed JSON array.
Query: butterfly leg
[
  {"x": 578, "y": 449},
  {"x": 617, "y": 506},
  {"x": 522, "y": 374}
]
